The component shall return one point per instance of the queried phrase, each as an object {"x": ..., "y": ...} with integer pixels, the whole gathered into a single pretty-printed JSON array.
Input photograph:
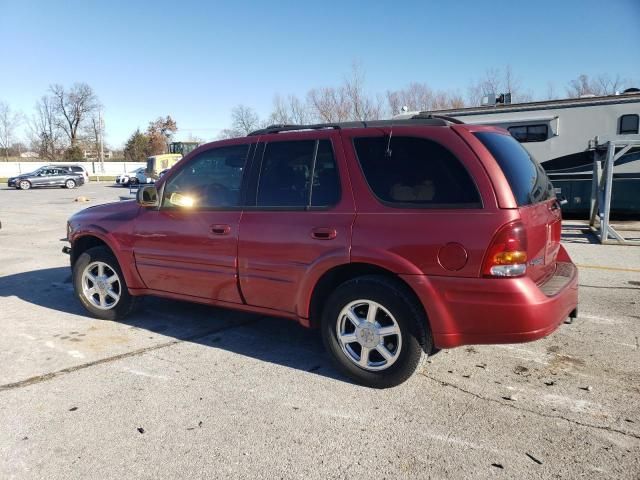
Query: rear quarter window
[
  {"x": 415, "y": 172},
  {"x": 527, "y": 179}
]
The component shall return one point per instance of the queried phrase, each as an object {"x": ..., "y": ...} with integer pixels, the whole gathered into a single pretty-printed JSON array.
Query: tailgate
[{"x": 543, "y": 224}]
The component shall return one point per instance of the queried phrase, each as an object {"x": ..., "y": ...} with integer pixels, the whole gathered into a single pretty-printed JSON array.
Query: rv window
[
  {"x": 628, "y": 124},
  {"x": 530, "y": 133}
]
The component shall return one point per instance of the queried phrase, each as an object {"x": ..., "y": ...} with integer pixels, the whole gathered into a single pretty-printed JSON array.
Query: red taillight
[{"x": 507, "y": 255}]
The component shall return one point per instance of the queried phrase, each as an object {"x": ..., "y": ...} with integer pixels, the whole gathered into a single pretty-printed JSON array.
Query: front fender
[{"x": 123, "y": 255}]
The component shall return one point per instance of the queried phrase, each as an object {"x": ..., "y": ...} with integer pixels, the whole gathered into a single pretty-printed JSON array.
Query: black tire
[
  {"x": 24, "y": 185},
  {"x": 408, "y": 313},
  {"x": 126, "y": 303},
  {"x": 70, "y": 184}
]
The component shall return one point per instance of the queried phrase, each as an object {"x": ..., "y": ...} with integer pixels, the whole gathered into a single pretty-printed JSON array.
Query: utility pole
[{"x": 101, "y": 142}]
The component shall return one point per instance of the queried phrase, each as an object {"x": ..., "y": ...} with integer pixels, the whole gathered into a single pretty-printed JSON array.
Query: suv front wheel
[
  {"x": 100, "y": 285},
  {"x": 375, "y": 331}
]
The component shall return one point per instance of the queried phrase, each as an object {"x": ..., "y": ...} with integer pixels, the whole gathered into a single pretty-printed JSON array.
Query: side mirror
[{"x": 147, "y": 196}]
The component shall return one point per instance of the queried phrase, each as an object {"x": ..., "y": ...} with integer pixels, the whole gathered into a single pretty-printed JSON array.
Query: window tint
[
  {"x": 530, "y": 133},
  {"x": 415, "y": 171},
  {"x": 210, "y": 180},
  {"x": 629, "y": 124},
  {"x": 528, "y": 180},
  {"x": 325, "y": 190},
  {"x": 285, "y": 173}
]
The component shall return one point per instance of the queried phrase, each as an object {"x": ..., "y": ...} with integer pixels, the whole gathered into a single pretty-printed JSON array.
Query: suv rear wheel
[
  {"x": 100, "y": 285},
  {"x": 70, "y": 184},
  {"x": 375, "y": 331}
]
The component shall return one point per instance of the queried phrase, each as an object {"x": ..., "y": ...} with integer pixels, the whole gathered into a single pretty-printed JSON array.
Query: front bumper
[
  {"x": 12, "y": 182},
  {"x": 466, "y": 311}
]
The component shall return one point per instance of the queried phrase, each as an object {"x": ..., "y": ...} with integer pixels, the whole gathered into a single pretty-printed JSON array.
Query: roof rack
[
  {"x": 427, "y": 116},
  {"x": 287, "y": 128},
  {"x": 419, "y": 119}
]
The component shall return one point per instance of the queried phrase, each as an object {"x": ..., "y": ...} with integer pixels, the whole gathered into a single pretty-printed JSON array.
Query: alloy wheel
[
  {"x": 369, "y": 335},
  {"x": 101, "y": 285}
]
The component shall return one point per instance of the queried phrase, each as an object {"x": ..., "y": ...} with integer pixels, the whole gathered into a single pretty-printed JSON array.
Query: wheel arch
[
  {"x": 83, "y": 242},
  {"x": 337, "y": 275}
]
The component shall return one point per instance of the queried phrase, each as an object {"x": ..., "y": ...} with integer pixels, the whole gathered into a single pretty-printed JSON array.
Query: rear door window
[
  {"x": 298, "y": 174},
  {"x": 285, "y": 173},
  {"x": 415, "y": 172},
  {"x": 528, "y": 180}
]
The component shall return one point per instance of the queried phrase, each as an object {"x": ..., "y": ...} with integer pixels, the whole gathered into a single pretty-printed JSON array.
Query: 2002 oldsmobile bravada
[{"x": 394, "y": 238}]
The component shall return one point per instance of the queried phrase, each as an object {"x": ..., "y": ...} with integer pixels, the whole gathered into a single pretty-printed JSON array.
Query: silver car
[{"x": 47, "y": 177}]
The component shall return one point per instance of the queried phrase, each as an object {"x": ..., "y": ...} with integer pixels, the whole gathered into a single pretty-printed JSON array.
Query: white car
[
  {"x": 125, "y": 179},
  {"x": 142, "y": 178}
]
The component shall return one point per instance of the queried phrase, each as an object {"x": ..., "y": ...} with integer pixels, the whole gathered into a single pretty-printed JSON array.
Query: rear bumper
[{"x": 464, "y": 311}]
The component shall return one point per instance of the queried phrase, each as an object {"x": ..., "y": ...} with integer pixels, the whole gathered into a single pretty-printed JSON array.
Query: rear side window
[
  {"x": 528, "y": 180},
  {"x": 415, "y": 172}
]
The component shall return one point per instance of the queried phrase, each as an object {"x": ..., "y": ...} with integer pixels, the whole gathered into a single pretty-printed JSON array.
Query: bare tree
[
  {"x": 497, "y": 81},
  {"x": 72, "y": 107},
  {"x": 360, "y": 104},
  {"x": 9, "y": 121},
  {"x": 603, "y": 84},
  {"x": 92, "y": 133},
  {"x": 280, "y": 112},
  {"x": 329, "y": 104},
  {"x": 44, "y": 131},
  {"x": 244, "y": 119},
  {"x": 551, "y": 92},
  {"x": 298, "y": 110}
]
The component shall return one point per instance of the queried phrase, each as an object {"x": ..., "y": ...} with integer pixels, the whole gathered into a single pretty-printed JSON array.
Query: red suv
[{"x": 395, "y": 238}]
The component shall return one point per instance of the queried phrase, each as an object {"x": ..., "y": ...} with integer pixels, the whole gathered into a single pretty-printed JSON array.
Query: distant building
[
  {"x": 29, "y": 155},
  {"x": 93, "y": 155}
]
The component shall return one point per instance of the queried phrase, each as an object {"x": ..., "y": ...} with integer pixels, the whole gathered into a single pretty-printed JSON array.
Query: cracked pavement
[{"x": 181, "y": 390}]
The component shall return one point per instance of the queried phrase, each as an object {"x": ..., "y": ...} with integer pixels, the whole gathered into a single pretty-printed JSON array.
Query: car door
[
  {"x": 59, "y": 176},
  {"x": 188, "y": 246},
  {"x": 298, "y": 221},
  {"x": 40, "y": 178}
]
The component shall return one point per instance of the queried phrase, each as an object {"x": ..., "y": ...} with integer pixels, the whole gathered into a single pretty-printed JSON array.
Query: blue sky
[{"x": 196, "y": 60}]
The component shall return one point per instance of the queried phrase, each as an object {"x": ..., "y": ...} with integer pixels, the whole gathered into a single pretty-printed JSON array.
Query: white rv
[{"x": 562, "y": 134}]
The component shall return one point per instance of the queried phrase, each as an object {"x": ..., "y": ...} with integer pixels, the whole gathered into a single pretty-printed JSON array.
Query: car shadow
[
  {"x": 269, "y": 339},
  {"x": 578, "y": 233}
]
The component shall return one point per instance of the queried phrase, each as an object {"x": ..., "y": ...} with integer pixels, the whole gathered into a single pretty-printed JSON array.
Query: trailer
[{"x": 563, "y": 135}]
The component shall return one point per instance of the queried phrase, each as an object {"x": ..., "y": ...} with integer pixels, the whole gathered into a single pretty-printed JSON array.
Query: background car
[
  {"x": 125, "y": 179},
  {"x": 142, "y": 178},
  {"x": 48, "y": 176},
  {"x": 76, "y": 169}
]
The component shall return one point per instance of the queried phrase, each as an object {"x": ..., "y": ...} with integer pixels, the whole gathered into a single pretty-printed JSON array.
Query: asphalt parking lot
[{"x": 186, "y": 391}]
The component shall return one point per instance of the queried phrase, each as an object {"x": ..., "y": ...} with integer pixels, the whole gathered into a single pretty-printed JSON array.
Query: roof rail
[
  {"x": 425, "y": 116},
  {"x": 287, "y": 128}
]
